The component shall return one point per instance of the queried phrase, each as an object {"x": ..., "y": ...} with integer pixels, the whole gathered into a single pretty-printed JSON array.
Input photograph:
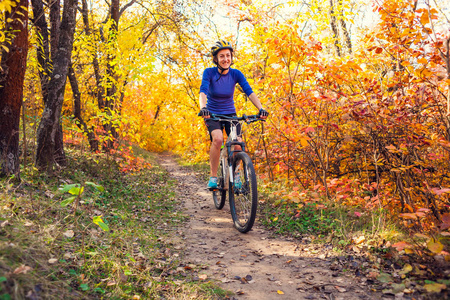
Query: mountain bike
[{"x": 241, "y": 186}]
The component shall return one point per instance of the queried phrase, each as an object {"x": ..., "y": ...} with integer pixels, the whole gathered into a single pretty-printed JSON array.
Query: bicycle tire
[
  {"x": 243, "y": 199},
  {"x": 220, "y": 195}
]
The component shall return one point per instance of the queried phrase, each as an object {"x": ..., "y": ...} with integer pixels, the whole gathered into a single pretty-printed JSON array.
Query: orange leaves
[
  {"x": 401, "y": 246},
  {"x": 422, "y": 60}
]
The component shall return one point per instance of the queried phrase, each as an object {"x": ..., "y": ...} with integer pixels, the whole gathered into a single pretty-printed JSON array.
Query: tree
[
  {"x": 12, "y": 73},
  {"x": 55, "y": 66}
]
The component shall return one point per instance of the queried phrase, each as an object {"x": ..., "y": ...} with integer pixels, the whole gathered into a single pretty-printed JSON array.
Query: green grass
[
  {"x": 289, "y": 219},
  {"x": 54, "y": 252},
  {"x": 327, "y": 222}
]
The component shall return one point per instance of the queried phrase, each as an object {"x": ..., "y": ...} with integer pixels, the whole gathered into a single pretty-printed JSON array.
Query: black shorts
[{"x": 213, "y": 125}]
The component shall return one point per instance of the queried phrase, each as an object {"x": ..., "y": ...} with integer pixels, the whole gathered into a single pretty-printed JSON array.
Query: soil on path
[{"x": 256, "y": 265}]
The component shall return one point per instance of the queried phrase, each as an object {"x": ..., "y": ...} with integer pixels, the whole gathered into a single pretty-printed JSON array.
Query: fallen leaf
[
  {"x": 123, "y": 277},
  {"x": 434, "y": 287},
  {"x": 401, "y": 245},
  {"x": 421, "y": 235},
  {"x": 52, "y": 260},
  {"x": 69, "y": 233},
  {"x": 340, "y": 289},
  {"x": 408, "y": 216},
  {"x": 203, "y": 277},
  {"x": 409, "y": 251},
  {"x": 280, "y": 292},
  {"x": 435, "y": 246},
  {"x": 384, "y": 278},
  {"x": 397, "y": 288},
  {"x": 111, "y": 283},
  {"x": 49, "y": 194},
  {"x": 23, "y": 269},
  {"x": 388, "y": 291},
  {"x": 406, "y": 269},
  {"x": 239, "y": 292},
  {"x": 359, "y": 240}
]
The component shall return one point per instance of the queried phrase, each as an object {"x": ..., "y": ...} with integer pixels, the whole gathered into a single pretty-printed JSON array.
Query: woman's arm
[
  {"x": 202, "y": 100},
  {"x": 255, "y": 101}
]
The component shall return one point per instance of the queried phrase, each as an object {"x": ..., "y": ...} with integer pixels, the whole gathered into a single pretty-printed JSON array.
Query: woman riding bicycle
[{"x": 216, "y": 96}]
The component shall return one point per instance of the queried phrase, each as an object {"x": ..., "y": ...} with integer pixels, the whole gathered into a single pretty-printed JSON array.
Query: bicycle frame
[{"x": 232, "y": 140}]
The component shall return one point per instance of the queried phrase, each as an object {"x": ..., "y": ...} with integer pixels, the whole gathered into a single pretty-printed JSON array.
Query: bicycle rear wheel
[
  {"x": 220, "y": 195},
  {"x": 243, "y": 193}
]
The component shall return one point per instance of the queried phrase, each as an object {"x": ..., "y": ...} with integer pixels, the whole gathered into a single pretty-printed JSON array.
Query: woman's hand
[
  {"x": 263, "y": 114},
  {"x": 204, "y": 112}
]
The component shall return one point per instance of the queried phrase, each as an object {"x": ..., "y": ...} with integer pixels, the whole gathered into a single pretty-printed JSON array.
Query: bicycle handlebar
[{"x": 247, "y": 119}]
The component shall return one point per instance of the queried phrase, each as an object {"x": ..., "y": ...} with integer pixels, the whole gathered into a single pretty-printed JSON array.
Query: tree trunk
[
  {"x": 93, "y": 143},
  {"x": 50, "y": 148},
  {"x": 12, "y": 74},
  {"x": 111, "y": 98},
  {"x": 345, "y": 33},
  {"x": 334, "y": 28},
  {"x": 95, "y": 63},
  {"x": 43, "y": 50},
  {"x": 55, "y": 22}
]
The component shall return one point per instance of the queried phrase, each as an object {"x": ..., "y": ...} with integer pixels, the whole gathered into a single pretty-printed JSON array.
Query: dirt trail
[{"x": 269, "y": 268}]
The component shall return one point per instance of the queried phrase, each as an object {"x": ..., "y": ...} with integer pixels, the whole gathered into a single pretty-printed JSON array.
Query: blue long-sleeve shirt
[{"x": 219, "y": 89}]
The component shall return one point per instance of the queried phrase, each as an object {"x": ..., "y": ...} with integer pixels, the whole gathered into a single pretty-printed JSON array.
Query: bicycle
[{"x": 242, "y": 186}]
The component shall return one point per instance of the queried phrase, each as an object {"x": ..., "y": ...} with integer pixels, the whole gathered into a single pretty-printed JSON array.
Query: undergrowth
[
  {"x": 50, "y": 251},
  {"x": 326, "y": 222}
]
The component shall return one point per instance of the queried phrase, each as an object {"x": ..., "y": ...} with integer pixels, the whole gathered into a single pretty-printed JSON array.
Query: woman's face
[{"x": 224, "y": 58}]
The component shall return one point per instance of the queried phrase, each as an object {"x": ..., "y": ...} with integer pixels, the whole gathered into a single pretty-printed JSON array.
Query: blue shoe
[
  {"x": 212, "y": 183},
  {"x": 237, "y": 181}
]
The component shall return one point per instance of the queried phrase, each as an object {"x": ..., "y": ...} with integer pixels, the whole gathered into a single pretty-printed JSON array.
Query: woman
[{"x": 216, "y": 96}]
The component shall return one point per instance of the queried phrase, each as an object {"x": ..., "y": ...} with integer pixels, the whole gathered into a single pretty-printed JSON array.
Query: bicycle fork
[{"x": 226, "y": 167}]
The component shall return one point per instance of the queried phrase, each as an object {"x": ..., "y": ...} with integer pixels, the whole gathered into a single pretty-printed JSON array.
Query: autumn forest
[{"x": 358, "y": 94}]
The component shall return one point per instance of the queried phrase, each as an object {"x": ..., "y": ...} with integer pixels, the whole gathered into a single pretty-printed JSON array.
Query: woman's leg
[{"x": 214, "y": 151}]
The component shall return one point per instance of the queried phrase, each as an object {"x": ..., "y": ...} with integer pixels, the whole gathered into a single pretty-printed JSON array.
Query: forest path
[{"x": 269, "y": 268}]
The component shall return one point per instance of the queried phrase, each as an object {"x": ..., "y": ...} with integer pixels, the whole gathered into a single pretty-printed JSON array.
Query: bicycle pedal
[{"x": 213, "y": 189}]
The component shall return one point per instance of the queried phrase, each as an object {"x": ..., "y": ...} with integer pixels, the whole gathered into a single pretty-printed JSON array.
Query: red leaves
[
  {"x": 309, "y": 129},
  {"x": 378, "y": 50},
  {"x": 401, "y": 246},
  {"x": 439, "y": 191},
  {"x": 445, "y": 221}
]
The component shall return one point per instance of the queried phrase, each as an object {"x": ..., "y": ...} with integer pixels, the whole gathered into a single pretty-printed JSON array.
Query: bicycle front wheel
[
  {"x": 243, "y": 193},
  {"x": 220, "y": 195}
]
